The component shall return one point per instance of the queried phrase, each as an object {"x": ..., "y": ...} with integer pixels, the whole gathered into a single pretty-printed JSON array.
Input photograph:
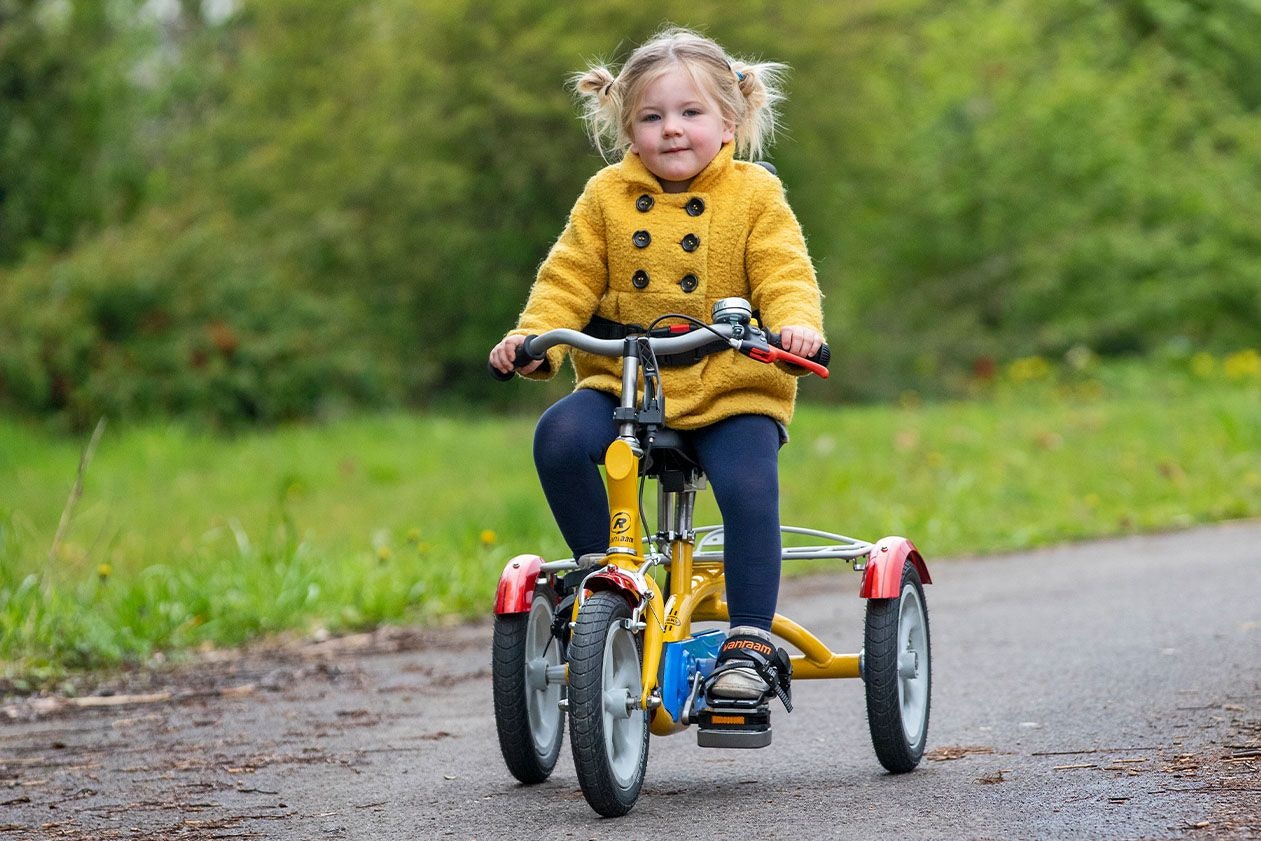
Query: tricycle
[{"x": 608, "y": 640}]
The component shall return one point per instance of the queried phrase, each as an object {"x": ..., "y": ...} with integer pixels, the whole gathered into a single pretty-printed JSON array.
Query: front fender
[
  {"x": 882, "y": 578},
  {"x": 517, "y": 583},
  {"x": 617, "y": 581}
]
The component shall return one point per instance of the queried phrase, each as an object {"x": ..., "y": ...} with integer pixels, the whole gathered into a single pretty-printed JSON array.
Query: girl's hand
[
  {"x": 800, "y": 340},
  {"x": 502, "y": 354}
]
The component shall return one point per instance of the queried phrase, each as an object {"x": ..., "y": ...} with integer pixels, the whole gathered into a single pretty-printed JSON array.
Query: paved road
[{"x": 1104, "y": 690}]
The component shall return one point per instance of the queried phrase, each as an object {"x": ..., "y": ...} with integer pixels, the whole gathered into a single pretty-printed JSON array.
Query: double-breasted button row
[
  {"x": 689, "y": 243},
  {"x": 694, "y": 206},
  {"x": 688, "y": 284}
]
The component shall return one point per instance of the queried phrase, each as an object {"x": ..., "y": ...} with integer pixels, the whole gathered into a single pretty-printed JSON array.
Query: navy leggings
[{"x": 740, "y": 456}]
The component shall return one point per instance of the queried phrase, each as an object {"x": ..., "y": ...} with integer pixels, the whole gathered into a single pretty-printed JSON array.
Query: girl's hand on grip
[
  {"x": 801, "y": 341},
  {"x": 502, "y": 355}
]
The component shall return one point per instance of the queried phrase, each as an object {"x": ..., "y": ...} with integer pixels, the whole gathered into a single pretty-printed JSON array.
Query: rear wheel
[
  {"x": 528, "y": 716},
  {"x": 897, "y": 668},
  {"x": 607, "y": 731}
]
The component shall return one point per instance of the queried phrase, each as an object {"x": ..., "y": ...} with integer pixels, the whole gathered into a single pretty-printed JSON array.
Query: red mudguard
[
  {"x": 882, "y": 579},
  {"x": 517, "y": 583},
  {"x": 617, "y": 581}
]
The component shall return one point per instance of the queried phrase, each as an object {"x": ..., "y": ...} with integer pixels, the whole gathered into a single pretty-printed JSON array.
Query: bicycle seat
[{"x": 671, "y": 459}]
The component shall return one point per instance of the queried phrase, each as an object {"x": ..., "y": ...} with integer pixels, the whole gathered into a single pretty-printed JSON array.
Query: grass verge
[{"x": 182, "y": 540}]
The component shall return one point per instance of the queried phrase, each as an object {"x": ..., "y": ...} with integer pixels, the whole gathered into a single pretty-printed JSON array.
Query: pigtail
[
  {"x": 761, "y": 86},
  {"x": 601, "y": 97}
]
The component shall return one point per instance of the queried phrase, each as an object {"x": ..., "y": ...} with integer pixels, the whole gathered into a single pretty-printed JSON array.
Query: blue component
[{"x": 680, "y": 661}]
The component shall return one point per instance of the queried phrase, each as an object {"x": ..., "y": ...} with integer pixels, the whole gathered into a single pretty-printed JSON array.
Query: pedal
[{"x": 734, "y": 724}]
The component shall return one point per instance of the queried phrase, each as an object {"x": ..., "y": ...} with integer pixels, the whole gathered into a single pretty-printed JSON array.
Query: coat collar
[{"x": 634, "y": 171}]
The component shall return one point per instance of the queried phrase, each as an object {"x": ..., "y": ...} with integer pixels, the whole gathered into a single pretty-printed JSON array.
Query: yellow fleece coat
[{"x": 631, "y": 253}]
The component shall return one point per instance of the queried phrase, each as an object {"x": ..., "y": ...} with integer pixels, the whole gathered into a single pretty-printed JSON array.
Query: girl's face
[{"x": 677, "y": 130}]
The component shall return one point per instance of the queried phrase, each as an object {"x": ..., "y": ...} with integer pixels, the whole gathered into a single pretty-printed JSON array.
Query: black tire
[
  {"x": 610, "y": 749},
  {"x": 898, "y": 702},
  {"x": 528, "y": 716}
]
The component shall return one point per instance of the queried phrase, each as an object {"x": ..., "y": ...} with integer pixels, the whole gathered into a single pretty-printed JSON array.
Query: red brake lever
[{"x": 763, "y": 353}]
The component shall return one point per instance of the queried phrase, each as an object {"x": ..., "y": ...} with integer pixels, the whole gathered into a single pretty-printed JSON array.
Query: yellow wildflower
[
  {"x": 1028, "y": 369},
  {"x": 488, "y": 537},
  {"x": 1243, "y": 365}
]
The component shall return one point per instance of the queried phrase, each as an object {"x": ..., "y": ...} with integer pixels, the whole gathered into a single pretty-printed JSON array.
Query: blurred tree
[{"x": 258, "y": 210}]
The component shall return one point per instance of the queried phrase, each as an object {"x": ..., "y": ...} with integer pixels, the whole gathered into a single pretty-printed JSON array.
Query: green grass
[{"x": 183, "y": 540}]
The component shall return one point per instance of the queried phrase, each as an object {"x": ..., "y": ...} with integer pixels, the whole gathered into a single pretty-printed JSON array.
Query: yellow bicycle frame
[{"x": 696, "y": 592}]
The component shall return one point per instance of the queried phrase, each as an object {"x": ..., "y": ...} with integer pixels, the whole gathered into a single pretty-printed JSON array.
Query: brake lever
[{"x": 764, "y": 352}]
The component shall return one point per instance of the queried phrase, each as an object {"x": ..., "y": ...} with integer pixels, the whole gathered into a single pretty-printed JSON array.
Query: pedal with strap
[{"x": 744, "y": 722}]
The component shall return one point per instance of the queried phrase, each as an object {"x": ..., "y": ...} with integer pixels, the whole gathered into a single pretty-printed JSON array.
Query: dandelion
[
  {"x": 488, "y": 537},
  {"x": 1028, "y": 369},
  {"x": 413, "y": 536},
  {"x": 1243, "y": 365},
  {"x": 103, "y": 571},
  {"x": 384, "y": 553}
]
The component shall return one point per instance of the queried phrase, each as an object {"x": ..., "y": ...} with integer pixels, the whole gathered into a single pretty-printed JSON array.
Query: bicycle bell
[{"x": 732, "y": 311}]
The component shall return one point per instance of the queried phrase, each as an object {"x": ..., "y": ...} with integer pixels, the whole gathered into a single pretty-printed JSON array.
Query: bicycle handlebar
[{"x": 753, "y": 343}]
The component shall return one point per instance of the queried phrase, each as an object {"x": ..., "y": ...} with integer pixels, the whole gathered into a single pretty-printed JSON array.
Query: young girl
[{"x": 674, "y": 226}]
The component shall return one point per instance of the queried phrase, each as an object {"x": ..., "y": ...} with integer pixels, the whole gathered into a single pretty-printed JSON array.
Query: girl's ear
[{"x": 728, "y": 132}]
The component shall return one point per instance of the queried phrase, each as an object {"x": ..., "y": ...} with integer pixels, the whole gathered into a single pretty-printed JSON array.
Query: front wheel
[
  {"x": 528, "y": 716},
  {"x": 897, "y": 668},
  {"x": 607, "y": 731}
]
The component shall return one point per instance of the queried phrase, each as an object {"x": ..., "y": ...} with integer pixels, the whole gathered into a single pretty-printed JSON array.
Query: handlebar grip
[
  {"x": 522, "y": 359},
  {"x": 823, "y": 356}
]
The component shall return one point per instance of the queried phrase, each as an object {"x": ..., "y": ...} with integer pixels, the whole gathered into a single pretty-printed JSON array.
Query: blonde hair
[{"x": 747, "y": 93}]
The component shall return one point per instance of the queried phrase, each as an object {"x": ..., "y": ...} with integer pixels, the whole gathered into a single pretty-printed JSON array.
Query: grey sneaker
[{"x": 736, "y": 676}]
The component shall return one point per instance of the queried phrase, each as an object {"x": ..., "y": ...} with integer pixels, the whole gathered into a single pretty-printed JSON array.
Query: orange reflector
[{"x": 727, "y": 719}]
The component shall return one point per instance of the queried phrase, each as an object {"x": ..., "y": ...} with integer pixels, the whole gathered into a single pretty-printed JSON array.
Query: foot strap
[{"x": 751, "y": 651}]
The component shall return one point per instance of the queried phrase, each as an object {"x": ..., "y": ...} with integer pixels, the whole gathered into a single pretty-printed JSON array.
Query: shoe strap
[{"x": 771, "y": 664}]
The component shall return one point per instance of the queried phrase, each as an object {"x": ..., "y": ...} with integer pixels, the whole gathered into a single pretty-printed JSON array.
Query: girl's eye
[
  {"x": 692, "y": 112},
  {"x": 649, "y": 118}
]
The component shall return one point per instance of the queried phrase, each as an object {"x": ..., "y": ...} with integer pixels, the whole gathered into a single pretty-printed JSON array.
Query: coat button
[
  {"x": 690, "y": 243},
  {"x": 640, "y": 279},
  {"x": 641, "y": 239},
  {"x": 644, "y": 203},
  {"x": 695, "y": 207},
  {"x": 688, "y": 283}
]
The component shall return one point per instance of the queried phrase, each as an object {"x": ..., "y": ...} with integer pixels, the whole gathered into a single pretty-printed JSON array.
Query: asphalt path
[{"x": 1100, "y": 690}]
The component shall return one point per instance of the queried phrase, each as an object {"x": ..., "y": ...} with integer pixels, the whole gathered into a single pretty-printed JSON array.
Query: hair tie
[
  {"x": 739, "y": 76},
  {"x": 604, "y": 91}
]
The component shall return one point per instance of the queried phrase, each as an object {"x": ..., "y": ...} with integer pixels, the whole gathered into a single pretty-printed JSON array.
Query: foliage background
[{"x": 245, "y": 212}]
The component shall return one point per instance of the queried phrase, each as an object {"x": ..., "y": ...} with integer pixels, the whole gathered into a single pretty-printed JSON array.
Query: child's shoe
[{"x": 750, "y": 668}]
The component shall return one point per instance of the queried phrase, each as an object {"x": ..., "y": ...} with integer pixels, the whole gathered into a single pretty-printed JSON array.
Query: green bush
[{"x": 354, "y": 195}]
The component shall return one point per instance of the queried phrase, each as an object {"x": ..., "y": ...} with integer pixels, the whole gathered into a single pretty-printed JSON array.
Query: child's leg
[
  {"x": 569, "y": 445},
  {"x": 740, "y": 455}
]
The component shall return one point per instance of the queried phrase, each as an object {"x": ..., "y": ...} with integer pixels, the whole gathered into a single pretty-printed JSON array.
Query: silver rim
[
  {"x": 542, "y": 699},
  {"x": 623, "y": 724},
  {"x": 912, "y": 663}
]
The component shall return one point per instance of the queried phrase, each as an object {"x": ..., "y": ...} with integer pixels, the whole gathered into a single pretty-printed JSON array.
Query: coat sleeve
[
  {"x": 781, "y": 276},
  {"x": 572, "y": 279}
]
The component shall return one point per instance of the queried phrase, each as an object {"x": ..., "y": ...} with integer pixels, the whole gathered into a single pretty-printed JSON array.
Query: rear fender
[
  {"x": 516, "y": 584},
  {"x": 882, "y": 578}
]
